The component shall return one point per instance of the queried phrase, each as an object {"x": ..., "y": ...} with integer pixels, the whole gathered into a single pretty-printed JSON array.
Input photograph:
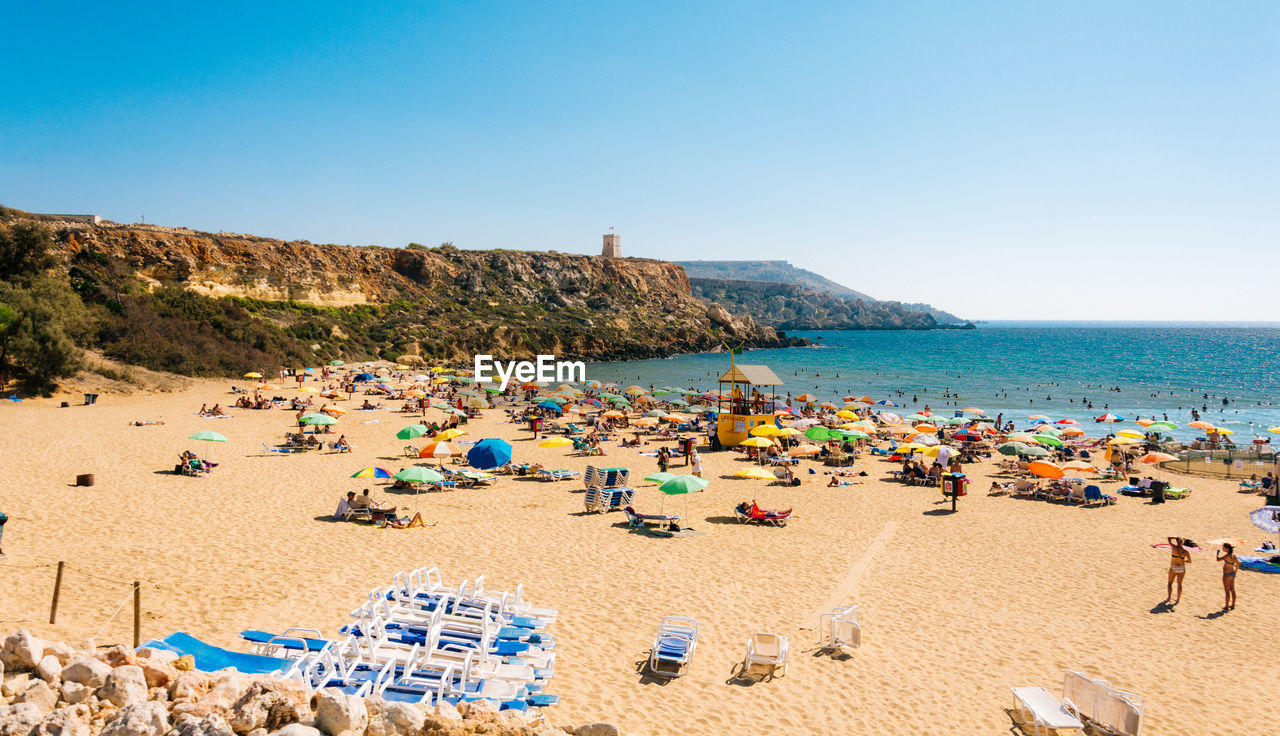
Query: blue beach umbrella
[
  {"x": 490, "y": 453},
  {"x": 364, "y": 377},
  {"x": 553, "y": 406}
]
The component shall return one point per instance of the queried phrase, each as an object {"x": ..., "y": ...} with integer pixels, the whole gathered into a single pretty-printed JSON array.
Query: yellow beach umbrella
[
  {"x": 612, "y": 414},
  {"x": 556, "y": 442},
  {"x": 1129, "y": 433},
  {"x": 765, "y": 430},
  {"x": 309, "y": 390},
  {"x": 1220, "y": 430},
  {"x": 1123, "y": 441},
  {"x": 846, "y": 414},
  {"x": 755, "y": 472},
  {"x": 756, "y": 442},
  {"x": 788, "y": 432},
  {"x": 448, "y": 434},
  {"x": 253, "y": 374}
]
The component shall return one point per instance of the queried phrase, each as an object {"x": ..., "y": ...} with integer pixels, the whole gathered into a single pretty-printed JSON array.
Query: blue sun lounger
[
  {"x": 672, "y": 651},
  {"x": 209, "y": 658}
]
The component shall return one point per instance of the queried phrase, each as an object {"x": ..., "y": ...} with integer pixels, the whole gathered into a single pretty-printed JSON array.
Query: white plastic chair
[
  {"x": 769, "y": 650},
  {"x": 839, "y": 628}
]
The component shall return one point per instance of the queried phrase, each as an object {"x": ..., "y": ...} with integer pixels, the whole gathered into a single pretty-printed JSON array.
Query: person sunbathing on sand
[{"x": 146, "y": 422}]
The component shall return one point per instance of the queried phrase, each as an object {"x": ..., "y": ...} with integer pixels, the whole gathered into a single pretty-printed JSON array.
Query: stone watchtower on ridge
[{"x": 612, "y": 245}]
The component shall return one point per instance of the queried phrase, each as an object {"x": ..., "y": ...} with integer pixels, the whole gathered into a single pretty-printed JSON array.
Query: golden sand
[{"x": 956, "y": 609}]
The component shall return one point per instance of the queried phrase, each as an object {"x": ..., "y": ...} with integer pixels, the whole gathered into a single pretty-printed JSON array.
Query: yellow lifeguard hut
[{"x": 743, "y": 407}]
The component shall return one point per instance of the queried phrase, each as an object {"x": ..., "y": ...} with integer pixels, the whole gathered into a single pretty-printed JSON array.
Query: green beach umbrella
[
  {"x": 660, "y": 478},
  {"x": 957, "y": 420},
  {"x": 1049, "y": 440},
  {"x": 678, "y": 402},
  {"x": 655, "y": 413},
  {"x": 682, "y": 485},
  {"x": 1033, "y": 451},
  {"x": 662, "y": 392},
  {"x": 853, "y": 434},
  {"x": 418, "y": 475},
  {"x": 412, "y": 431},
  {"x": 207, "y": 436},
  {"x": 818, "y": 434},
  {"x": 335, "y": 362},
  {"x": 1162, "y": 426},
  {"x": 318, "y": 418},
  {"x": 1011, "y": 448}
]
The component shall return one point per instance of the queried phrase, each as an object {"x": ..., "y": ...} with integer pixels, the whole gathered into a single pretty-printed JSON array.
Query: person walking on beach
[
  {"x": 1230, "y": 566},
  {"x": 1177, "y": 567},
  {"x": 3, "y": 518},
  {"x": 696, "y": 459},
  {"x": 664, "y": 460}
]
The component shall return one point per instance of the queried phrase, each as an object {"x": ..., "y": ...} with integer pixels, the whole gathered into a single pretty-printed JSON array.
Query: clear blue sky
[{"x": 998, "y": 159}]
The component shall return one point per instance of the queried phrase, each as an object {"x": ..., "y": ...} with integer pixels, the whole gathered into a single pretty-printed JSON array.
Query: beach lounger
[
  {"x": 745, "y": 513},
  {"x": 766, "y": 650},
  {"x": 600, "y": 500},
  {"x": 605, "y": 477},
  {"x": 673, "y": 647},
  {"x": 1085, "y": 701},
  {"x": 1044, "y": 711},
  {"x": 1094, "y": 493},
  {"x": 209, "y": 658},
  {"x": 637, "y": 520},
  {"x": 839, "y": 628},
  {"x": 557, "y": 474}
]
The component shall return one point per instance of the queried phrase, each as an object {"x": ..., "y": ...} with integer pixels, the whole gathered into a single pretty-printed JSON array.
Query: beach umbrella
[
  {"x": 1220, "y": 430},
  {"x": 1033, "y": 417},
  {"x": 371, "y": 473},
  {"x": 682, "y": 485},
  {"x": 335, "y": 362},
  {"x": 802, "y": 398},
  {"x": 645, "y": 421},
  {"x": 1266, "y": 518},
  {"x": 318, "y": 418},
  {"x": 1130, "y": 433},
  {"x": 1123, "y": 441},
  {"x": 1033, "y": 451},
  {"x": 889, "y": 417},
  {"x": 1161, "y": 426},
  {"x": 449, "y": 434},
  {"x": 1022, "y": 437},
  {"x": 613, "y": 414},
  {"x": 757, "y": 442},
  {"x": 1157, "y": 457},
  {"x": 1078, "y": 466},
  {"x": 845, "y": 414},
  {"x": 489, "y": 453},
  {"x": 956, "y": 420},
  {"x": 1201, "y": 424},
  {"x": 788, "y": 432},
  {"x": 550, "y": 405},
  {"x": 1049, "y": 440},
  {"x": 1045, "y": 470},
  {"x": 333, "y": 411},
  {"x": 818, "y": 434},
  {"x": 854, "y": 434},
  {"x": 926, "y": 428},
  {"x": 660, "y": 478},
  {"x": 802, "y": 450},
  {"x": 1067, "y": 421},
  {"x": 207, "y": 436},
  {"x": 363, "y": 377},
  {"x": 1108, "y": 418},
  {"x": 1274, "y": 430},
  {"x": 555, "y": 442},
  {"x": 755, "y": 472},
  {"x": 418, "y": 475},
  {"x": 803, "y": 424},
  {"x": 440, "y": 449},
  {"x": 655, "y": 413},
  {"x": 972, "y": 410},
  {"x": 1073, "y": 432},
  {"x": 253, "y": 374},
  {"x": 882, "y": 402},
  {"x": 927, "y": 440},
  {"x": 765, "y": 430},
  {"x": 309, "y": 389}
]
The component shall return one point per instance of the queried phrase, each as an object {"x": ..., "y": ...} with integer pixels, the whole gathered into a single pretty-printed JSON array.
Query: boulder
[
  {"x": 269, "y": 703},
  {"x": 50, "y": 669},
  {"x": 447, "y": 712},
  {"x": 21, "y": 651},
  {"x": 39, "y": 694},
  {"x": 597, "y": 729},
  {"x": 166, "y": 656},
  {"x": 138, "y": 719},
  {"x": 86, "y": 671},
  {"x": 479, "y": 710},
  {"x": 185, "y": 663},
  {"x": 74, "y": 692},
  {"x": 126, "y": 684},
  {"x": 157, "y": 673},
  {"x": 189, "y": 686},
  {"x": 390, "y": 718},
  {"x": 14, "y": 684},
  {"x": 63, "y": 652},
  {"x": 118, "y": 656},
  {"x": 339, "y": 714},
  {"x": 18, "y": 719},
  {"x": 209, "y": 725},
  {"x": 72, "y": 721},
  {"x": 297, "y": 729}
]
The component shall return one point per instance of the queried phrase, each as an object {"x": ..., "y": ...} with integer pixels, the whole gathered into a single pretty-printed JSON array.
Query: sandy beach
[{"x": 956, "y": 609}]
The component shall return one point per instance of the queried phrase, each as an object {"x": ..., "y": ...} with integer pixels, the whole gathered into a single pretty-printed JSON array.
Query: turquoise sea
[{"x": 1023, "y": 368}]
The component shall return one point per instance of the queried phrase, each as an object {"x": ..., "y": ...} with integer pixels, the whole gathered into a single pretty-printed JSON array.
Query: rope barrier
[{"x": 117, "y": 613}]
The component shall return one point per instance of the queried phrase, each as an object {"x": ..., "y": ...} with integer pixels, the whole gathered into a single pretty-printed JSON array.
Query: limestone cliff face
[{"x": 452, "y": 301}]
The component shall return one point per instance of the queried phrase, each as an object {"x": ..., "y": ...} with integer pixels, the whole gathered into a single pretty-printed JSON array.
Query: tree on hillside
[{"x": 40, "y": 316}]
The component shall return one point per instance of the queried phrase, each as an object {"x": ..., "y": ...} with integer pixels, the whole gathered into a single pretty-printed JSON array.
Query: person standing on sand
[
  {"x": 1177, "y": 567},
  {"x": 696, "y": 459},
  {"x": 1230, "y": 566},
  {"x": 3, "y": 518},
  {"x": 664, "y": 460}
]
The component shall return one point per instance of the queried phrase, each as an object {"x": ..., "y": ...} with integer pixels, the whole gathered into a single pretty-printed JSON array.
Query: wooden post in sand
[
  {"x": 57, "y": 591},
  {"x": 137, "y": 614}
]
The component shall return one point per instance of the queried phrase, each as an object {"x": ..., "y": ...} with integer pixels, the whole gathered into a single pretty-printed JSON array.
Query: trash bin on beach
[{"x": 90, "y": 399}]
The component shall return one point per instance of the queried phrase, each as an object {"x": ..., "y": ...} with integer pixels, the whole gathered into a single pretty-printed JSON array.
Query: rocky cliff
[
  {"x": 355, "y": 302},
  {"x": 795, "y": 307}
]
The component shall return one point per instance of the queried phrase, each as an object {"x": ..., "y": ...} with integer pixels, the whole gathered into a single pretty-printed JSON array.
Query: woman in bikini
[
  {"x": 1230, "y": 565},
  {"x": 1177, "y": 567}
]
